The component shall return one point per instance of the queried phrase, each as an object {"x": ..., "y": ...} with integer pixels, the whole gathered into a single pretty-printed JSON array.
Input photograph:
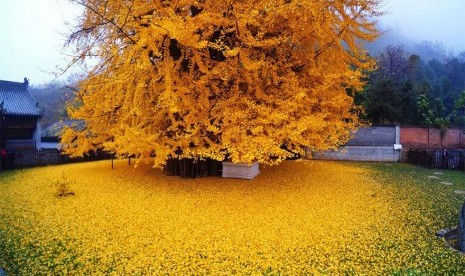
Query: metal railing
[{"x": 32, "y": 158}]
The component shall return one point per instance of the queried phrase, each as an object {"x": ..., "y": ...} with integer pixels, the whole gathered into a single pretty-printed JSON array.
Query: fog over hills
[
  {"x": 432, "y": 29},
  {"x": 426, "y": 49}
]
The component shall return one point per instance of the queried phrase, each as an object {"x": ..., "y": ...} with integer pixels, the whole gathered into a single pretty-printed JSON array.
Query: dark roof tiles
[{"x": 17, "y": 100}]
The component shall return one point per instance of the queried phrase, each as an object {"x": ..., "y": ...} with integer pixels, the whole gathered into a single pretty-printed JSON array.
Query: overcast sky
[
  {"x": 432, "y": 20},
  {"x": 32, "y": 34},
  {"x": 32, "y": 31}
]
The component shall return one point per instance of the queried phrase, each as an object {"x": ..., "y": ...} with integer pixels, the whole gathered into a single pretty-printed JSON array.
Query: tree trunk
[{"x": 192, "y": 168}]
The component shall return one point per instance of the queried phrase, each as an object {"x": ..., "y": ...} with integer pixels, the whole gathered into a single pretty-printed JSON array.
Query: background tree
[
  {"x": 459, "y": 110},
  {"x": 427, "y": 113},
  {"x": 383, "y": 107},
  {"x": 52, "y": 98},
  {"x": 405, "y": 89},
  {"x": 244, "y": 80},
  {"x": 393, "y": 88}
]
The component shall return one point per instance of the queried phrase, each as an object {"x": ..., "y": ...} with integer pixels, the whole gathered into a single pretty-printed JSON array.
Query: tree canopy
[{"x": 242, "y": 80}]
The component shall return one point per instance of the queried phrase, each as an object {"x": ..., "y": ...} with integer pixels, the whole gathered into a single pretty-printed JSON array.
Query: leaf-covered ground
[{"x": 309, "y": 217}]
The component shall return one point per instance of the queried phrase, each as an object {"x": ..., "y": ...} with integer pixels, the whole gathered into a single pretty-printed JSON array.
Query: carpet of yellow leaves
[{"x": 296, "y": 218}]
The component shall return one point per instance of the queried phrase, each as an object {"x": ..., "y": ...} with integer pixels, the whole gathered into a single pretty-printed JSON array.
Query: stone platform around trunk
[{"x": 240, "y": 170}]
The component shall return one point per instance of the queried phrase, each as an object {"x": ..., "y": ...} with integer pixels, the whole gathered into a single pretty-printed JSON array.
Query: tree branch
[
  {"x": 339, "y": 34},
  {"x": 105, "y": 19}
]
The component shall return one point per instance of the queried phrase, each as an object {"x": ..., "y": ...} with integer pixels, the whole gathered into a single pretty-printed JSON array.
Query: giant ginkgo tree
[{"x": 242, "y": 80}]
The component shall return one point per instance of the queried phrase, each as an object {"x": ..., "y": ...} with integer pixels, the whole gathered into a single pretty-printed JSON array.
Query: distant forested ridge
[
  {"x": 52, "y": 98},
  {"x": 416, "y": 89}
]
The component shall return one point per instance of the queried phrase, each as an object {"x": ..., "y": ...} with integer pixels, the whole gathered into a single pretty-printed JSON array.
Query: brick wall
[
  {"x": 376, "y": 143},
  {"x": 430, "y": 138},
  {"x": 423, "y": 138}
]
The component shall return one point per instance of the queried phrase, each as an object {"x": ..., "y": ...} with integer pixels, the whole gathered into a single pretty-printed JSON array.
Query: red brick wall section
[{"x": 422, "y": 138}]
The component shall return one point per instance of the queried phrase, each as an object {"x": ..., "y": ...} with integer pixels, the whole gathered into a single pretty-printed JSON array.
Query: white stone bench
[{"x": 240, "y": 170}]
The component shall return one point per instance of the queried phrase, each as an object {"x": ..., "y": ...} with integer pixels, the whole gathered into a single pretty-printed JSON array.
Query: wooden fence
[
  {"x": 21, "y": 146},
  {"x": 33, "y": 158},
  {"x": 438, "y": 159},
  {"x": 24, "y": 159},
  {"x": 188, "y": 168}
]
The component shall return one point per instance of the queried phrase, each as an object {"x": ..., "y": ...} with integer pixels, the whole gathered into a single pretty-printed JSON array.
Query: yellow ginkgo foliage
[{"x": 223, "y": 79}]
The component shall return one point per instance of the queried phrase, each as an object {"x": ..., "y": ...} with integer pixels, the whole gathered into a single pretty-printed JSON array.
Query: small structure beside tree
[
  {"x": 19, "y": 119},
  {"x": 240, "y": 170}
]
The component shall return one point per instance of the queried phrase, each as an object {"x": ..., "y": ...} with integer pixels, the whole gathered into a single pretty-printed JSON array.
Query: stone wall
[
  {"x": 361, "y": 153},
  {"x": 374, "y": 136},
  {"x": 376, "y": 143}
]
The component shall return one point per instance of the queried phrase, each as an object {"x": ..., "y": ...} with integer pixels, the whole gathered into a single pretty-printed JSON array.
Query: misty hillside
[
  {"x": 407, "y": 89},
  {"x": 52, "y": 98},
  {"x": 427, "y": 50}
]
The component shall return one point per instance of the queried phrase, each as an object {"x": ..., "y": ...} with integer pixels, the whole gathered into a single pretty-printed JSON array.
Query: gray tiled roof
[{"x": 17, "y": 100}]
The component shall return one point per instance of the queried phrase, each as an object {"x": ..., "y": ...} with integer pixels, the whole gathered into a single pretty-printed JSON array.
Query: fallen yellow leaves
[{"x": 296, "y": 218}]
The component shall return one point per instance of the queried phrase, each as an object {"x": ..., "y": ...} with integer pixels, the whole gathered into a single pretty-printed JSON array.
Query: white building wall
[{"x": 38, "y": 134}]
